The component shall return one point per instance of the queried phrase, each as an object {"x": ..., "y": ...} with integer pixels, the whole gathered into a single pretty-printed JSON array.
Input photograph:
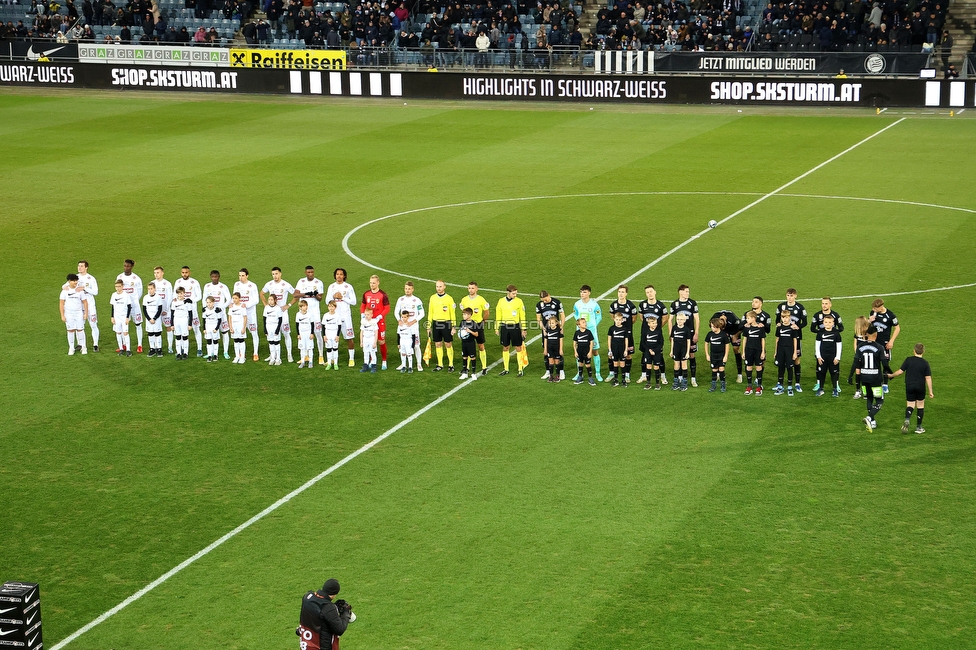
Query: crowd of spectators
[
  {"x": 369, "y": 24},
  {"x": 705, "y": 25},
  {"x": 839, "y": 25}
]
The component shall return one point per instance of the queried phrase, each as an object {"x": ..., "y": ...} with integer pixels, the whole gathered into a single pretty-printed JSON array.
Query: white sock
[
  {"x": 95, "y": 334},
  {"x": 169, "y": 341},
  {"x": 138, "y": 335},
  {"x": 320, "y": 342},
  {"x": 288, "y": 345},
  {"x": 226, "y": 338},
  {"x": 118, "y": 339},
  {"x": 352, "y": 354},
  {"x": 125, "y": 341},
  {"x": 409, "y": 361},
  {"x": 71, "y": 340},
  {"x": 254, "y": 340},
  {"x": 197, "y": 335}
]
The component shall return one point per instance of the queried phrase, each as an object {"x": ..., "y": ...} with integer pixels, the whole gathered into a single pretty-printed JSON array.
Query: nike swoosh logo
[
  {"x": 31, "y": 618},
  {"x": 3, "y": 633},
  {"x": 34, "y": 56},
  {"x": 28, "y": 596},
  {"x": 9, "y": 609},
  {"x": 31, "y": 642}
]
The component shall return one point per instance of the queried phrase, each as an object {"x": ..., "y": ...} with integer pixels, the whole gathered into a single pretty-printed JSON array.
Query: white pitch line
[{"x": 389, "y": 432}]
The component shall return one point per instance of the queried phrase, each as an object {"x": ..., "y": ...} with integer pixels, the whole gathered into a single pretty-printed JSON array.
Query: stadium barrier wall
[{"x": 755, "y": 90}]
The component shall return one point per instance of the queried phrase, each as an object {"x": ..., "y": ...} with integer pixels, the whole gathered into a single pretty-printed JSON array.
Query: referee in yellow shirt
[
  {"x": 479, "y": 312},
  {"x": 441, "y": 326},
  {"x": 510, "y": 325}
]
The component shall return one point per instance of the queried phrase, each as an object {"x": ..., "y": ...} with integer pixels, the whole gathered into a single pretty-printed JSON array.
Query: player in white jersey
[
  {"x": 192, "y": 290},
  {"x": 221, "y": 295},
  {"x": 273, "y": 320},
  {"x": 88, "y": 284},
  {"x": 237, "y": 318},
  {"x": 312, "y": 290},
  {"x": 331, "y": 324},
  {"x": 182, "y": 310},
  {"x": 284, "y": 298},
  {"x": 74, "y": 313},
  {"x": 132, "y": 287},
  {"x": 250, "y": 299},
  {"x": 153, "y": 312},
  {"x": 407, "y": 343},
  {"x": 213, "y": 323},
  {"x": 121, "y": 314},
  {"x": 415, "y": 307},
  {"x": 345, "y": 297},
  {"x": 164, "y": 289},
  {"x": 305, "y": 327}
]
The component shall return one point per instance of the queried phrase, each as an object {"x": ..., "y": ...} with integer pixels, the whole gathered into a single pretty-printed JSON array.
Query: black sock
[
  {"x": 835, "y": 378},
  {"x": 908, "y": 412},
  {"x": 921, "y": 412},
  {"x": 715, "y": 375},
  {"x": 693, "y": 366},
  {"x": 579, "y": 369},
  {"x": 796, "y": 373},
  {"x": 738, "y": 362},
  {"x": 789, "y": 375},
  {"x": 779, "y": 375},
  {"x": 759, "y": 374},
  {"x": 721, "y": 375},
  {"x": 657, "y": 375},
  {"x": 748, "y": 377},
  {"x": 628, "y": 364},
  {"x": 589, "y": 371}
]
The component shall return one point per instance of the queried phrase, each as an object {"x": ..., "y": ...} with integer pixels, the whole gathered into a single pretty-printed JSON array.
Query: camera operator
[{"x": 323, "y": 621}]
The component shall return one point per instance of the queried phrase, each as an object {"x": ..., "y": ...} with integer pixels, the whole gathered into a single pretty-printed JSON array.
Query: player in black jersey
[
  {"x": 871, "y": 363},
  {"x": 732, "y": 326},
  {"x": 798, "y": 317},
  {"x": 755, "y": 352},
  {"x": 618, "y": 343},
  {"x": 652, "y": 352},
  {"x": 682, "y": 334},
  {"x": 828, "y": 349},
  {"x": 688, "y": 307},
  {"x": 583, "y": 349},
  {"x": 552, "y": 335},
  {"x": 786, "y": 351},
  {"x": 718, "y": 343},
  {"x": 628, "y": 310},
  {"x": 826, "y": 308},
  {"x": 546, "y": 308},
  {"x": 861, "y": 325},
  {"x": 888, "y": 328},
  {"x": 918, "y": 377},
  {"x": 651, "y": 306}
]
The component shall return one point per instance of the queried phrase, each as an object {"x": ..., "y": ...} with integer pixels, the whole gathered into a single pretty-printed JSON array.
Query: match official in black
[{"x": 918, "y": 377}]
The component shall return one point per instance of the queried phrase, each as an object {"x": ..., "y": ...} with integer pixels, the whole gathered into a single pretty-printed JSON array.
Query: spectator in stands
[
  {"x": 946, "y": 48},
  {"x": 200, "y": 36},
  {"x": 950, "y": 72}
]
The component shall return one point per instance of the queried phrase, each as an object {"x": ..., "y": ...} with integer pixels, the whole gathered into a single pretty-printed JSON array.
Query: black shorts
[
  {"x": 716, "y": 363},
  {"x": 510, "y": 335},
  {"x": 828, "y": 365},
  {"x": 753, "y": 357},
  {"x": 914, "y": 393},
  {"x": 582, "y": 358},
  {"x": 679, "y": 350},
  {"x": 618, "y": 349},
  {"x": 441, "y": 331},
  {"x": 552, "y": 350},
  {"x": 480, "y": 336},
  {"x": 652, "y": 359},
  {"x": 784, "y": 358},
  {"x": 693, "y": 349},
  {"x": 469, "y": 347}
]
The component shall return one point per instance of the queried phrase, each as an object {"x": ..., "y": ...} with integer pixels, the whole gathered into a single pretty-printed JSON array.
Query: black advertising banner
[
  {"x": 791, "y": 63},
  {"x": 35, "y": 50},
  {"x": 757, "y": 90}
]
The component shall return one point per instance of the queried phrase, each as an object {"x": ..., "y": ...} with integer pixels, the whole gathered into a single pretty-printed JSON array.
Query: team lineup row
[{"x": 173, "y": 308}]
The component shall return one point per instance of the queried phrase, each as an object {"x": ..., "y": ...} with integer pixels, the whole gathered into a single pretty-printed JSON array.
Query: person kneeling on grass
[{"x": 918, "y": 376}]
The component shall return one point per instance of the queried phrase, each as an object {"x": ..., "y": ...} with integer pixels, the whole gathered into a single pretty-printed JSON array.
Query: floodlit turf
[{"x": 515, "y": 514}]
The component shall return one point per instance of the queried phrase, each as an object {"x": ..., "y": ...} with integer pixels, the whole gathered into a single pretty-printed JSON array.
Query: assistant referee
[{"x": 510, "y": 326}]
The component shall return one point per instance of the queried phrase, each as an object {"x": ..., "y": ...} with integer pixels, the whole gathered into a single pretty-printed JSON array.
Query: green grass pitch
[{"x": 514, "y": 514}]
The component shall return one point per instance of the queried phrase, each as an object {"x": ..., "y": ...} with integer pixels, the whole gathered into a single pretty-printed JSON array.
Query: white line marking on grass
[{"x": 389, "y": 432}]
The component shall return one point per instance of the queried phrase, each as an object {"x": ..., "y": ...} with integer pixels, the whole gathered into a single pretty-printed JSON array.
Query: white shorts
[
  {"x": 74, "y": 321},
  {"x": 92, "y": 316},
  {"x": 369, "y": 344},
  {"x": 238, "y": 334},
  {"x": 252, "y": 319},
  {"x": 154, "y": 328},
  {"x": 167, "y": 319},
  {"x": 347, "y": 332},
  {"x": 181, "y": 328},
  {"x": 136, "y": 312},
  {"x": 120, "y": 327}
]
